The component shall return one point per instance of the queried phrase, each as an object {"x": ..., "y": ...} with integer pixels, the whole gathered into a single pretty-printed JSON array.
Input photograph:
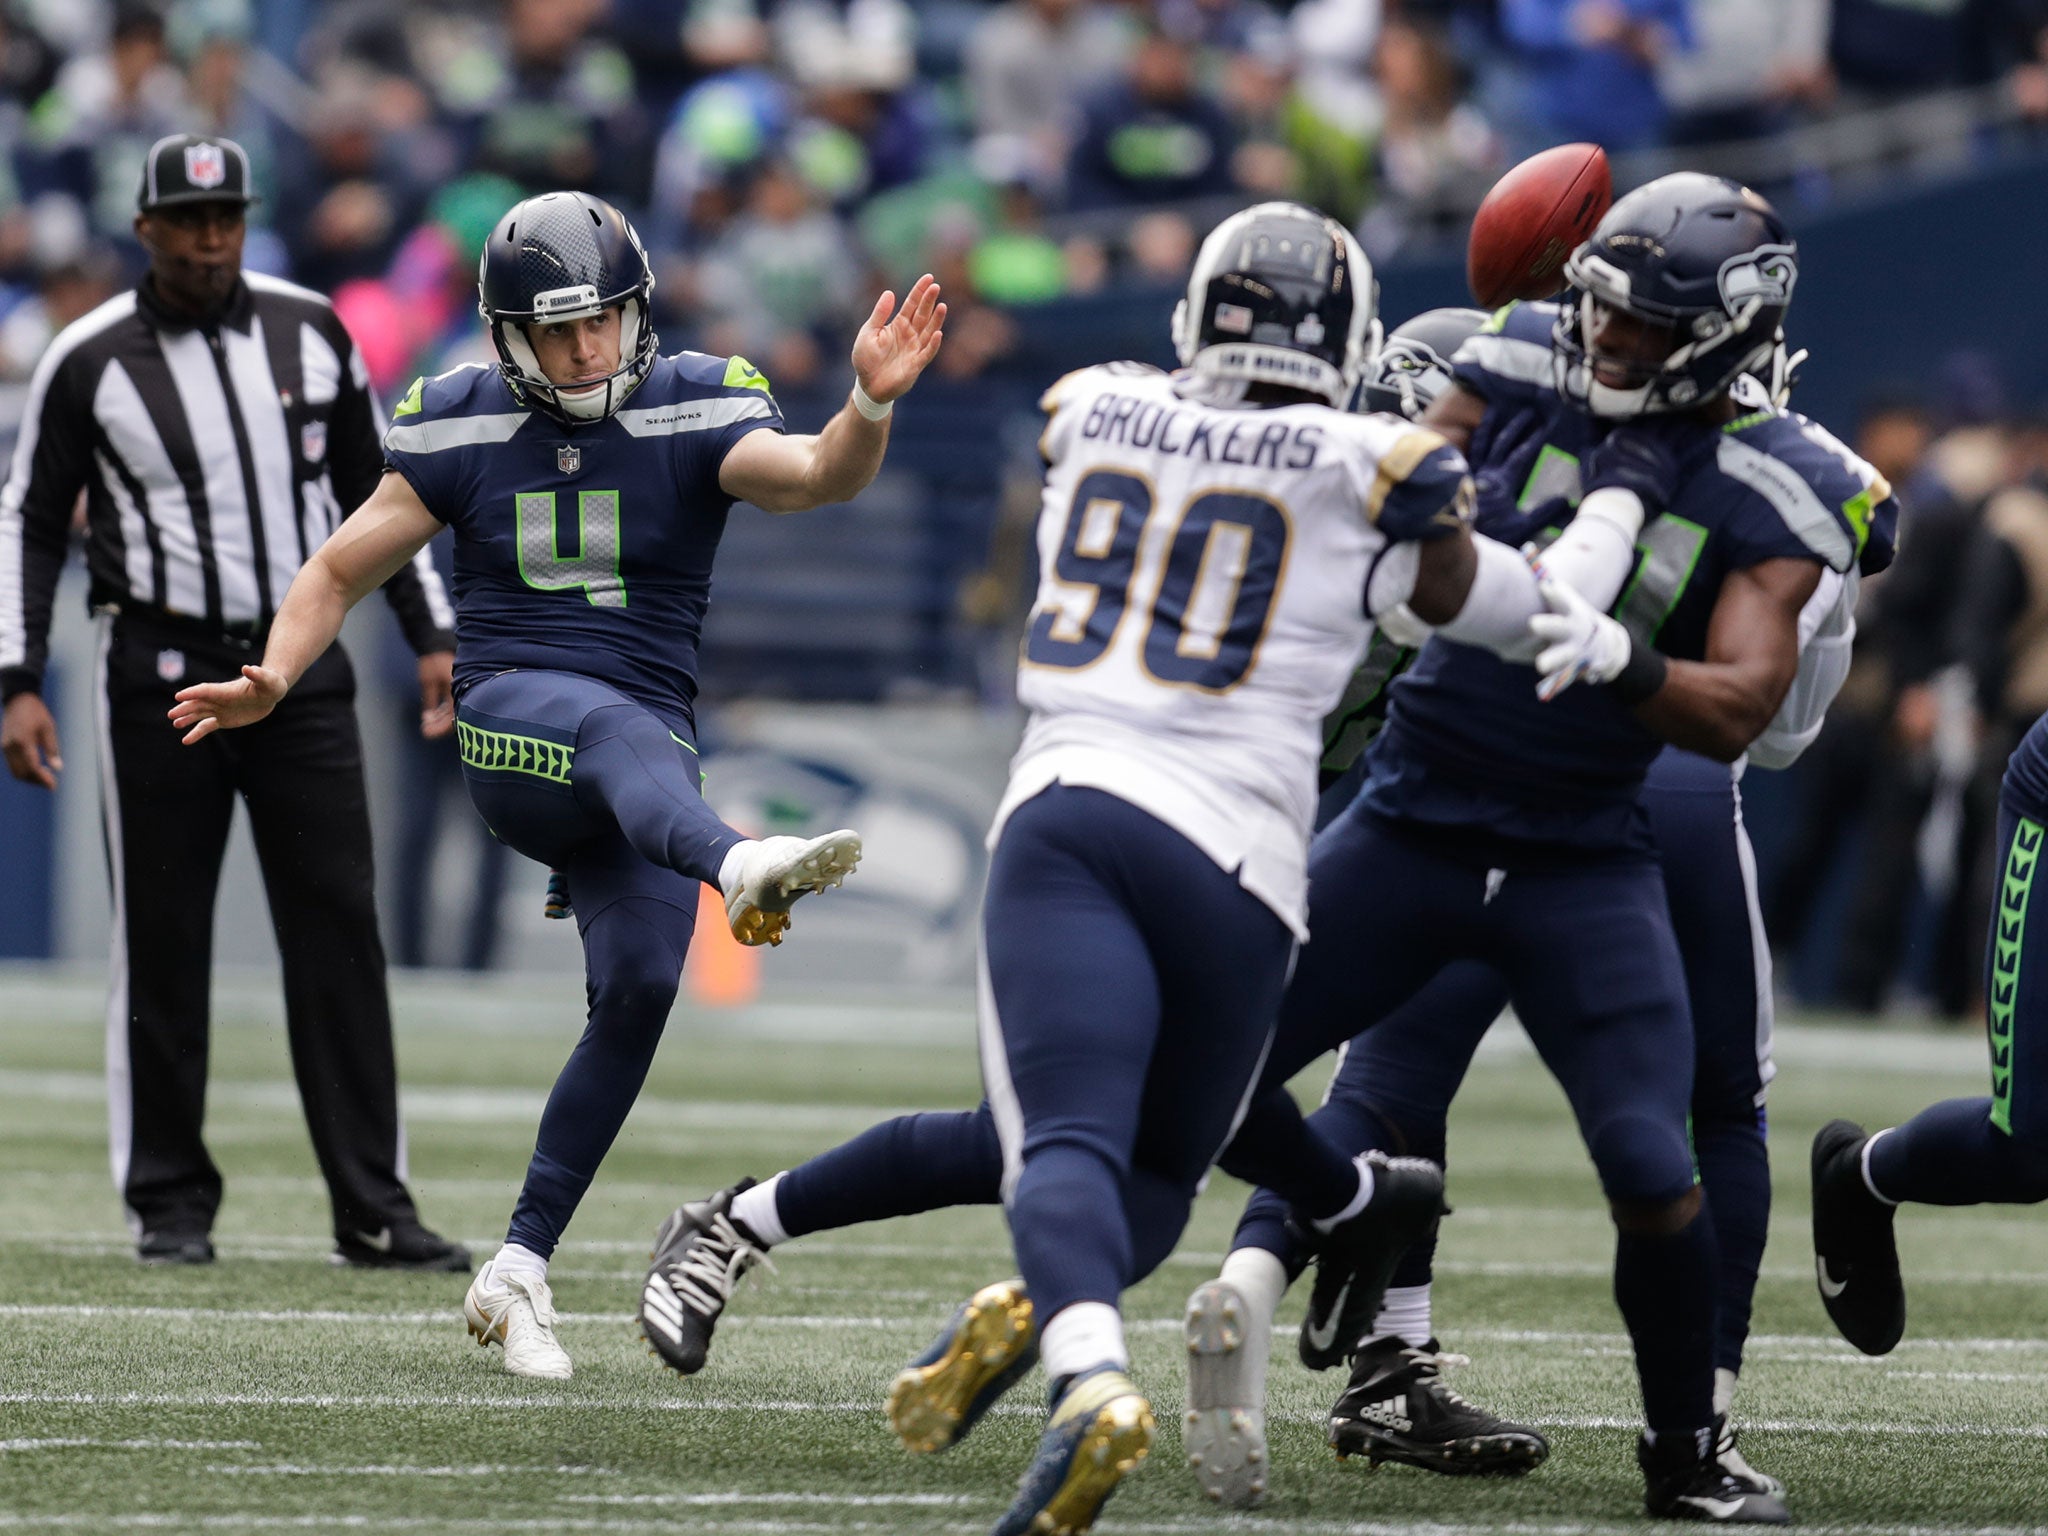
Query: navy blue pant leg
[
  {"x": 1992, "y": 1150},
  {"x": 560, "y": 768},
  {"x": 1128, "y": 997},
  {"x": 1710, "y": 877},
  {"x": 1592, "y": 965},
  {"x": 901, "y": 1167}
]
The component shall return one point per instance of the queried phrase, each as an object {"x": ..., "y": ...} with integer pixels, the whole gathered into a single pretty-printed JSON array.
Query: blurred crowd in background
[
  {"x": 774, "y": 152},
  {"x": 784, "y": 159}
]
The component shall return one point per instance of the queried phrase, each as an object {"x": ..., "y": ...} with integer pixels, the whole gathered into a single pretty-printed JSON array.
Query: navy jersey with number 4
[
  {"x": 582, "y": 549},
  {"x": 1469, "y": 746}
]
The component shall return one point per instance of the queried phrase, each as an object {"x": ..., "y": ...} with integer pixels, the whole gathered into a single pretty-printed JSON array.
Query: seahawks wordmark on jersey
[
  {"x": 1202, "y": 601},
  {"x": 586, "y": 548}
]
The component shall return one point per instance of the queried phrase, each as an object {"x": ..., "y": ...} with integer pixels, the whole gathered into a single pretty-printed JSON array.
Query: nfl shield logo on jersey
[
  {"x": 313, "y": 441},
  {"x": 206, "y": 165},
  {"x": 170, "y": 665},
  {"x": 568, "y": 459}
]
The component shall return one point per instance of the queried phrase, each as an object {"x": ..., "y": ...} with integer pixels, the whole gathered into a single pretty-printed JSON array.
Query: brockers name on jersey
[{"x": 1198, "y": 433}]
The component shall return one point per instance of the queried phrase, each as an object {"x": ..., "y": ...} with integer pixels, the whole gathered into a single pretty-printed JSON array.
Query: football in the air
[{"x": 1535, "y": 216}]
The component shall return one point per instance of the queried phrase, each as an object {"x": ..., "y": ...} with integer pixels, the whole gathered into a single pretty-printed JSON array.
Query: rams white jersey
[{"x": 1202, "y": 601}]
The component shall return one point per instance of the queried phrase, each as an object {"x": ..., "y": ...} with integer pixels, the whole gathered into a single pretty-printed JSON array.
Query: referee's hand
[
  {"x": 209, "y": 707},
  {"x": 28, "y": 739}
]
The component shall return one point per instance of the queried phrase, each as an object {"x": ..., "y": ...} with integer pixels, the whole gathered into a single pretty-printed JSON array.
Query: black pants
[{"x": 166, "y": 811}]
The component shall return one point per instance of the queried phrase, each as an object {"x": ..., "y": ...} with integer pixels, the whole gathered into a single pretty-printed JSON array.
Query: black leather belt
[{"x": 247, "y": 635}]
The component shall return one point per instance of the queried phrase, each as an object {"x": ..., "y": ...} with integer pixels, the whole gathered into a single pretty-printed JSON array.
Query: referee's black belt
[{"x": 243, "y": 635}]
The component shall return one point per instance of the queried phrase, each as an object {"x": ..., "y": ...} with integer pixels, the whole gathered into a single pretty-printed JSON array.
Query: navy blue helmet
[
  {"x": 565, "y": 256},
  {"x": 1700, "y": 258},
  {"x": 1414, "y": 365},
  {"x": 1280, "y": 294}
]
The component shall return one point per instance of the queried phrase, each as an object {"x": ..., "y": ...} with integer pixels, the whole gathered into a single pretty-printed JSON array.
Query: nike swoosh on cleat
[
  {"x": 380, "y": 1240},
  {"x": 1323, "y": 1338},
  {"x": 1829, "y": 1286},
  {"x": 1715, "y": 1509}
]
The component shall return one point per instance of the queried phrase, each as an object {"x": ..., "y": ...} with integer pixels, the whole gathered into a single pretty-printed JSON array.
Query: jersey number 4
[
  {"x": 594, "y": 566},
  {"x": 1215, "y": 596}
]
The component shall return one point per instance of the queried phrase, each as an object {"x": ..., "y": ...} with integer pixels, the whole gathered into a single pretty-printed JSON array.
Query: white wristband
[{"x": 868, "y": 406}]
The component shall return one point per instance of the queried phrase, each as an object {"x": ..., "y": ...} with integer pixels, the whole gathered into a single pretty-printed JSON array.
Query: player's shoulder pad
[
  {"x": 695, "y": 375},
  {"x": 1071, "y": 386},
  {"x": 1834, "y": 500},
  {"x": 1417, "y": 484},
  {"x": 465, "y": 406},
  {"x": 1512, "y": 350}
]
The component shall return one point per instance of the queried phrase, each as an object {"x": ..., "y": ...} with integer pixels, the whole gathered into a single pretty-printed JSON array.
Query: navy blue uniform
[
  {"x": 582, "y": 572},
  {"x": 1493, "y": 827},
  {"x": 1994, "y": 1150}
]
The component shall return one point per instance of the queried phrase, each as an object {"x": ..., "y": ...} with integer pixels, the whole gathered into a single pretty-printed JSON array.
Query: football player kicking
[
  {"x": 1980, "y": 1151},
  {"x": 1205, "y": 541},
  {"x": 1395, "y": 1082},
  {"x": 588, "y": 480},
  {"x": 1504, "y": 825}
]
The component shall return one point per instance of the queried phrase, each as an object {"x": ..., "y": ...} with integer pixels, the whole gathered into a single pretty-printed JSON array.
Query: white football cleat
[
  {"x": 1225, "y": 1430},
  {"x": 769, "y": 875},
  {"x": 518, "y": 1312}
]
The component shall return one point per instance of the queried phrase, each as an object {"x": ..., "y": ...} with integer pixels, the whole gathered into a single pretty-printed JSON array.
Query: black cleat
[
  {"x": 1355, "y": 1262},
  {"x": 1683, "y": 1483},
  {"x": 1855, "y": 1256},
  {"x": 1397, "y": 1408},
  {"x": 700, "y": 1253},
  {"x": 400, "y": 1245},
  {"x": 1733, "y": 1464},
  {"x": 174, "y": 1248}
]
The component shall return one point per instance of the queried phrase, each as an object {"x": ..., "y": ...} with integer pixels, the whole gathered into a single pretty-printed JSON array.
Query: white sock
[
  {"x": 1868, "y": 1182},
  {"x": 729, "y": 870},
  {"x": 515, "y": 1260},
  {"x": 1405, "y": 1315},
  {"x": 1081, "y": 1337},
  {"x": 756, "y": 1209},
  {"x": 1359, "y": 1201},
  {"x": 1724, "y": 1392}
]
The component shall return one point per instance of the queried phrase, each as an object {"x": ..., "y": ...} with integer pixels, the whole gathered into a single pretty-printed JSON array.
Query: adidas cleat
[
  {"x": 989, "y": 1343},
  {"x": 1355, "y": 1262},
  {"x": 1101, "y": 1428},
  {"x": 1397, "y": 1408},
  {"x": 1855, "y": 1255},
  {"x": 1225, "y": 1430},
  {"x": 700, "y": 1255},
  {"x": 517, "y": 1312},
  {"x": 774, "y": 872},
  {"x": 1680, "y": 1483}
]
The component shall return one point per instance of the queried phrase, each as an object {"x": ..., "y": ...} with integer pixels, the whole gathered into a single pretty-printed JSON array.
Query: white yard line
[
  {"x": 547, "y": 1404},
  {"x": 294, "y": 1469},
  {"x": 69, "y": 1444}
]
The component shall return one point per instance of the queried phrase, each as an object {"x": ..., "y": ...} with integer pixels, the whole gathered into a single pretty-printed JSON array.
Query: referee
[{"x": 220, "y": 425}]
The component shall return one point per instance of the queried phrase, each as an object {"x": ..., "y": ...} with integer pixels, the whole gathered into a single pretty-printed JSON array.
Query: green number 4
[{"x": 594, "y": 566}]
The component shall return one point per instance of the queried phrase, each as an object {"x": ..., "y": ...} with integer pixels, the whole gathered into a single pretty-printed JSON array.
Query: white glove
[
  {"x": 1579, "y": 641},
  {"x": 1400, "y": 625}
]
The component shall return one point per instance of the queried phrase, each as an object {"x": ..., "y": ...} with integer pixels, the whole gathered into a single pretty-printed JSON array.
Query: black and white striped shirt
[{"x": 215, "y": 458}]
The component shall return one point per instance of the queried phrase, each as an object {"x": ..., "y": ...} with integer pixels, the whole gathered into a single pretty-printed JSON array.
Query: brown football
[{"x": 1535, "y": 216}]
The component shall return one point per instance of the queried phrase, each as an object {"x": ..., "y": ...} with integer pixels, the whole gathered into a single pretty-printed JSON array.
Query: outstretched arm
[
  {"x": 361, "y": 555},
  {"x": 779, "y": 473}
]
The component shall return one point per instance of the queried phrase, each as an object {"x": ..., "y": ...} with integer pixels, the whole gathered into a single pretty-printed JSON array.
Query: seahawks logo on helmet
[{"x": 1763, "y": 276}]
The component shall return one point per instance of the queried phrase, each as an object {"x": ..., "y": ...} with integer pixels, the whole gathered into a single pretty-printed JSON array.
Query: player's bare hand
[
  {"x": 28, "y": 738},
  {"x": 205, "y": 708},
  {"x": 889, "y": 353},
  {"x": 437, "y": 694}
]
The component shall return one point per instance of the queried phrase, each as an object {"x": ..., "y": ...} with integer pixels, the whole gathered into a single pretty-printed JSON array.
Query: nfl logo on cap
[{"x": 205, "y": 165}]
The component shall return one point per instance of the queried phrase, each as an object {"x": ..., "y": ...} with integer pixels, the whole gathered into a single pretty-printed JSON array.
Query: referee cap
[{"x": 193, "y": 168}]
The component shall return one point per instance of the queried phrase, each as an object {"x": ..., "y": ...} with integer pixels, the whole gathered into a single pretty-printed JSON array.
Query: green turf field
[{"x": 273, "y": 1392}]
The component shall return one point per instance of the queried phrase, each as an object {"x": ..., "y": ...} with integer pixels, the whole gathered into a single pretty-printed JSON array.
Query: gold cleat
[
  {"x": 1100, "y": 1431},
  {"x": 775, "y": 871},
  {"x": 987, "y": 1345}
]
